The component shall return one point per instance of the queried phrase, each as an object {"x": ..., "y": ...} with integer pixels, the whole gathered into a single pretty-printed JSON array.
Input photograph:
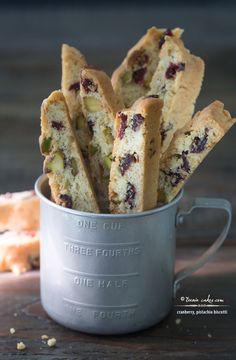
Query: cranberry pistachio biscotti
[
  {"x": 131, "y": 79},
  {"x": 190, "y": 146},
  {"x": 177, "y": 80},
  {"x": 64, "y": 165},
  {"x": 19, "y": 251},
  {"x": 72, "y": 64},
  {"x": 19, "y": 211},
  {"x": 100, "y": 105},
  {"x": 136, "y": 153}
]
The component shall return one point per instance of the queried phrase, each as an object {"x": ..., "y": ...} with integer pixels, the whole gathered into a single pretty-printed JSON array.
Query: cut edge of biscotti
[
  {"x": 177, "y": 80},
  {"x": 189, "y": 147},
  {"x": 64, "y": 165},
  {"x": 73, "y": 61},
  {"x": 135, "y": 157},
  {"x": 132, "y": 78},
  {"x": 100, "y": 106},
  {"x": 19, "y": 251},
  {"x": 19, "y": 211}
]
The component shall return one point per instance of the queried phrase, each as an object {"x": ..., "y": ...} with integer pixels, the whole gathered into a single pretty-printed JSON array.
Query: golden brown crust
[
  {"x": 19, "y": 251},
  {"x": 72, "y": 63},
  {"x": 150, "y": 44},
  {"x": 189, "y": 147},
  {"x": 62, "y": 182},
  {"x": 111, "y": 101},
  {"x": 180, "y": 92},
  {"x": 144, "y": 144},
  {"x": 100, "y": 105}
]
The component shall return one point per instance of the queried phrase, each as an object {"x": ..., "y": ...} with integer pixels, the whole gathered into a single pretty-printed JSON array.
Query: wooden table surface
[{"x": 195, "y": 337}]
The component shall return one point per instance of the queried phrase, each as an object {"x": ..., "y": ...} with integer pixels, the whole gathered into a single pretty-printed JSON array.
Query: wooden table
[{"x": 192, "y": 337}]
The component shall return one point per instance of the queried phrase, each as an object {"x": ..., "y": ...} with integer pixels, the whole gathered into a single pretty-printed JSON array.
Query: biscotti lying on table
[
  {"x": 19, "y": 251},
  {"x": 19, "y": 235},
  {"x": 19, "y": 211},
  {"x": 128, "y": 144}
]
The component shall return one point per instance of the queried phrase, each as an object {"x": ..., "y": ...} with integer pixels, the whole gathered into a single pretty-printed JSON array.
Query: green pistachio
[{"x": 46, "y": 145}]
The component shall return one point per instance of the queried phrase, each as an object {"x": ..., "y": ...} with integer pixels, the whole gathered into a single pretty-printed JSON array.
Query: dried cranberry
[
  {"x": 89, "y": 85},
  {"x": 75, "y": 87},
  {"x": 186, "y": 165},
  {"x": 168, "y": 32},
  {"x": 198, "y": 144},
  {"x": 141, "y": 59},
  {"x": 138, "y": 75},
  {"x": 130, "y": 195},
  {"x": 66, "y": 200},
  {"x": 123, "y": 125},
  {"x": 126, "y": 161},
  {"x": 164, "y": 131},
  {"x": 136, "y": 121},
  {"x": 173, "y": 69},
  {"x": 57, "y": 125},
  {"x": 175, "y": 177}
]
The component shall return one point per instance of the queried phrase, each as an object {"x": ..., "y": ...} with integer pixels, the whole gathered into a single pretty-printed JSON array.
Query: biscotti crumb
[
  {"x": 20, "y": 346},
  {"x": 178, "y": 321},
  {"x": 44, "y": 337},
  {"x": 52, "y": 342},
  {"x": 12, "y": 331}
]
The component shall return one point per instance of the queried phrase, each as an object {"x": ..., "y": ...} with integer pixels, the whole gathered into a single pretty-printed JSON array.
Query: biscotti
[
  {"x": 19, "y": 211},
  {"x": 190, "y": 146},
  {"x": 69, "y": 180},
  {"x": 135, "y": 157},
  {"x": 72, "y": 64},
  {"x": 99, "y": 105},
  {"x": 19, "y": 251},
  {"x": 131, "y": 79},
  {"x": 177, "y": 80}
]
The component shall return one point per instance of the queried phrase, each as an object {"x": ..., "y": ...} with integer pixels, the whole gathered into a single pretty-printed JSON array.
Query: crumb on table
[
  {"x": 52, "y": 342},
  {"x": 20, "y": 346},
  {"x": 12, "y": 331}
]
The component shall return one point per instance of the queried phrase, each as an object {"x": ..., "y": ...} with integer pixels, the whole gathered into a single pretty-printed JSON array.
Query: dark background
[{"x": 31, "y": 34}]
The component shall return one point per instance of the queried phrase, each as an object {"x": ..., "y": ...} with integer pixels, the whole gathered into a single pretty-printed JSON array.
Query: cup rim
[{"x": 42, "y": 178}]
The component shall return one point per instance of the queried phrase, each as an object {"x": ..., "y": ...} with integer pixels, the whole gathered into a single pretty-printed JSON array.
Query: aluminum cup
[{"x": 108, "y": 273}]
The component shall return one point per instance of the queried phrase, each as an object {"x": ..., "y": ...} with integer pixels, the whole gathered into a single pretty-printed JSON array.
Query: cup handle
[{"x": 208, "y": 203}]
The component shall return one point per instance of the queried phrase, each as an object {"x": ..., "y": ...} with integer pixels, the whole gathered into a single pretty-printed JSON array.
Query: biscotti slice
[
  {"x": 190, "y": 146},
  {"x": 99, "y": 107},
  {"x": 136, "y": 153},
  {"x": 177, "y": 80},
  {"x": 64, "y": 165},
  {"x": 131, "y": 79},
  {"x": 19, "y": 251},
  {"x": 19, "y": 211},
  {"x": 72, "y": 64}
]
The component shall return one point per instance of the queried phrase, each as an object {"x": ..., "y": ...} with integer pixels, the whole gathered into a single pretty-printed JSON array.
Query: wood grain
[{"x": 20, "y": 308}]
